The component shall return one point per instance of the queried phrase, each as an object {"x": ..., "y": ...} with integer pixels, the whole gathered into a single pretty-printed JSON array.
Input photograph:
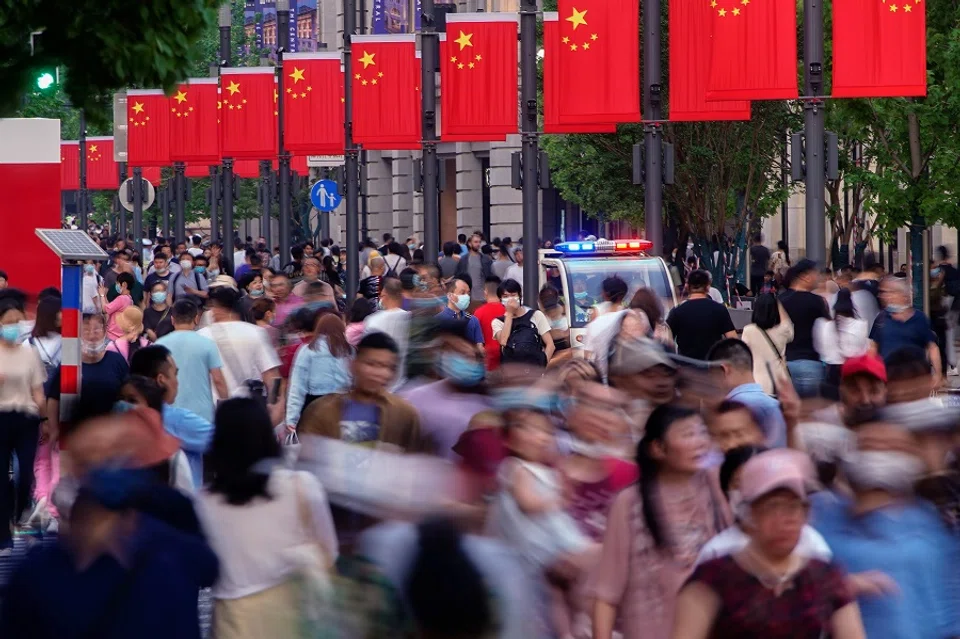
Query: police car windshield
[{"x": 585, "y": 277}]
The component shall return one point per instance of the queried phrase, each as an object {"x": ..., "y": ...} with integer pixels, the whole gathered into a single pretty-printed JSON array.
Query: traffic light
[{"x": 47, "y": 79}]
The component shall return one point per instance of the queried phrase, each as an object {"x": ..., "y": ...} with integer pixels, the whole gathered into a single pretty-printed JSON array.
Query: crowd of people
[{"x": 437, "y": 458}]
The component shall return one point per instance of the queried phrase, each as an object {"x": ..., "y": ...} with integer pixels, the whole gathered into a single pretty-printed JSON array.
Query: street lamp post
[
  {"x": 351, "y": 159},
  {"x": 226, "y": 190},
  {"x": 813, "y": 125},
  {"x": 652, "y": 131},
  {"x": 82, "y": 195},
  {"x": 429, "y": 51},
  {"x": 285, "y": 212},
  {"x": 530, "y": 152}
]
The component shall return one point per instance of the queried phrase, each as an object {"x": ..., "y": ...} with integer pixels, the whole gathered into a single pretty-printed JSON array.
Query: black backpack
[{"x": 524, "y": 346}]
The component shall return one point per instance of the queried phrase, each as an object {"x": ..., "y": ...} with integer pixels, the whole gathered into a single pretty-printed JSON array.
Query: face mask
[
  {"x": 93, "y": 348},
  {"x": 186, "y": 266},
  {"x": 594, "y": 451},
  {"x": 214, "y": 272},
  {"x": 160, "y": 297},
  {"x": 461, "y": 370},
  {"x": 89, "y": 269},
  {"x": 886, "y": 470},
  {"x": 463, "y": 302},
  {"x": 419, "y": 283},
  {"x": 582, "y": 295},
  {"x": 560, "y": 324},
  {"x": 10, "y": 332},
  {"x": 200, "y": 269},
  {"x": 935, "y": 272},
  {"x": 257, "y": 292},
  {"x": 412, "y": 247},
  {"x": 118, "y": 287},
  {"x": 896, "y": 308},
  {"x": 506, "y": 301}
]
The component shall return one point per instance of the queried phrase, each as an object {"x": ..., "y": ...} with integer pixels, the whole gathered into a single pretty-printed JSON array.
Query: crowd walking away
[{"x": 447, "y": 455}]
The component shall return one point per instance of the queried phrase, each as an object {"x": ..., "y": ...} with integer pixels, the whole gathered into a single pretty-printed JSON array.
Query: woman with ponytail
[{"x": 657, "y": 527}]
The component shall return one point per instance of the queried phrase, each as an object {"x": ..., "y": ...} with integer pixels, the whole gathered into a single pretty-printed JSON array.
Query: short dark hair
[
  {"x": 733, "y": 461},
  {"x": 943, "y": 253},
  {"x": 248, "y": 278},
  {"x": 799, "y": 269},
  {"x": 185, "y": 311},
  {"x": 261, "y": 307},
  {"x": 698, "y": 280},
  {"x": 98, "y": 317},
  {"x": 378, "y": 342},
  {"x": 492, "y": 283},
  {"x": 462, "y": 238},
  {"x": 733, "y": 351},
  {"x": 509, "y": 286},
  {"x": 296, "y": 252},
  {"x": 907, "y": 362},
  {"x": 4, "y": 276},
  {"x": 614, "y": 288},
  {"x": 149, "y": 361},
  {"x": 449, "y": 248},
  {"x": 128, "y": 279},
  {"x": 223, "y": 297}
]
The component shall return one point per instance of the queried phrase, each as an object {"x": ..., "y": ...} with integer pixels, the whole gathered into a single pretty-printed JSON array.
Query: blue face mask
[
  {"x": 580, "y": 295},
  {"x": 935, "y": 272},
  {"x": 10, "y": 332},
  {"x": 118, "y": 288},
  {"x": 460, "y": 370},
  {"x": 200, "y": 269},
  {"x": 418, "y": 283},
  {"x": 463, "y": 302},
  {"x": 256, "y": 292},
  {"x": 89, "y": 269},
  {"x": 159, "y": 297}
]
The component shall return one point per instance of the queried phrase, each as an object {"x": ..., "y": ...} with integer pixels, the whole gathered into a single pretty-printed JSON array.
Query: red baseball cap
[{"x": 867, "y": 364}]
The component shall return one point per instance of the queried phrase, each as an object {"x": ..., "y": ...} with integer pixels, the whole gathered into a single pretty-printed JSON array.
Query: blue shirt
[
  {"x": 891, "y": 334},
  {"x": 910, "y": 544},
  {"x": 315, "y": 372},
  {"x": 765, "y": 409},
  {"x": 195, "y": 356},
  {"x": 195, "y": 434},
  {"x": 474, "y": 332}
]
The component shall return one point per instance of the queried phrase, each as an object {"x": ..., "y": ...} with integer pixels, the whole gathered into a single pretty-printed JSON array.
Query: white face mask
[
  {"x": 595, "y": 450},
  {"x": 886, "y": 470}
]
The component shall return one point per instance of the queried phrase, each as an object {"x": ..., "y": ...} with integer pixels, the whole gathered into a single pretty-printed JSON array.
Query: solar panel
[{"x": 72, "y": 245}]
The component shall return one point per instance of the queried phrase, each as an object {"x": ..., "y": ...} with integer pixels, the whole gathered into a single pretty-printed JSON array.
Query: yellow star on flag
[
  {"x": 460, "y": 66},
  {"x": 723, "y": 13},
  {"x": 138, "y": 107},
  {"x": 181, "y": 97},
  {"x": 594, "y": 36},
  {"x": 464, "y": 40},
  {"x": 367, "y": 59},
  {"x": 573, "y": 47},
  {"x": 363, "y": 82},
  {"x": 93, "y": 148},
  {"x": 478, "y": 57},
  {"x": 893, "y": 8},
  {"x": 373, "y": 82},
  {"x": 586, "y": 46},
  {"x": 471, "y": 65},
  {"x": 565, "y": 40},
  {"x": 736, "y": 12},
  {"x": 907, "y": 8},
  {"x": 297, "y": 75},
  {"x": 577, "y": 18},
  {"x": 380, "y": 75},
  {"x": 453, "y": 58},
  {"x": 233, "y": 88}
]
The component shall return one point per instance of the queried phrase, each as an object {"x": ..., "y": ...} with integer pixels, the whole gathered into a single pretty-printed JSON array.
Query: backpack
[
  {"x": 392, "y": 270},
  {"x": 524, "y": 346}
]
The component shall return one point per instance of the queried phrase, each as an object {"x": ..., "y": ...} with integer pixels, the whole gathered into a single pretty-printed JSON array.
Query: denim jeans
[{"x": 807, "y": 374}]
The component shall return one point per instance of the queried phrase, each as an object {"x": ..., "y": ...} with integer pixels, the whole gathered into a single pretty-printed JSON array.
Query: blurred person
[
  {"x": 200, "y": 263},
  {"x": 892, "y": 540},
  {"x": 189, "y": 283},
  {"x": 699, "y": 322},
  {"x": 320, "y": 369},
  {"x": 767, "y": 336},
  {"x": 524, "y": 333},
  {"x": 759, "y": 259},
  {"x": 394, "y": 260},
  {"x": 656, "y": 530},
  {"x": 366, "y": 413},
  {"x": 132, "y": 339},
  {"x": 90, "y": 301},
  {"x": 769, "y": 285},
  {"x": 331, "y": 275},
  {"x": 124, "y": 282},
  {"x": 556, "y": 313},
  {"x": 197, "y": 361},
  {"x": 360, "y": 309},
  {"x": 491, "y": 309},
  {"x": 476, "y": 265},
  {"x": 840, "y": 338},
  {"x": 448, "y": 264},
  {"x": 900, "y": 325},
  {"x": 311, "y": 273},
  {"x": 284, "y": 298},
  {"x": 863, "y": 392},
  {"x": 515, "y": 271},
  {"x": 502, "y": 261},
  {"x": 447, "y": 406},
  {"x": 45, "y": 338},
  {"x": 646, "y": 300},
  {"x": 371, "y": 277},
  {"x": 258, "y": 516},
  {"x": 800, "y": 596},
  {"x": 294, "y": 268},
  {"x": 157, "y": 319},
  {"x": 299, "y": 331},
  {"x": 644, "y": 371},
  {"x": 601, "y": 330},
  {"x": 949, "y": 278},
  {"x": 264, "y": 313},
  {"x": 732, "y": 425},
  {"x": 251, "y": 285},
  {"x": 804, "y": 308},
  {"x": 458, "y": 301},
  {"x": 392, "y": 319}
]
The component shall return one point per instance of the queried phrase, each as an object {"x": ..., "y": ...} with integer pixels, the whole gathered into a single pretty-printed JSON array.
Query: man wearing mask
[
  {"x": 899, "y": 325},
  {"x": 458, "y": 301},
  {"x": 477, "y": 266},
  {"x": 899, "y": 554},
  {"x": 188, "y": 284},
  {"x": 161, "y": 271},
  {"x": 447, "y": 406}
]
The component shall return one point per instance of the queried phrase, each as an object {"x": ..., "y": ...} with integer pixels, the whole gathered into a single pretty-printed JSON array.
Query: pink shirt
[
  {"x": 287, "y": 306},
  {"x": 113, "y": 310}
]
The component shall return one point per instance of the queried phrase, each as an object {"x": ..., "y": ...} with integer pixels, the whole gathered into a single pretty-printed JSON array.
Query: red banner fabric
[
  {"x": 102, "y": 171},
  {"x": 385, "y": 72},
  {"x": 248, "y": 123},
  {"x": 879, "y": 48},
  {"x": 194, "y": 133},
  {"x": 691, "y": 25},
  {"x": 313, "y": 105},
  {"x": 148, "y": 128},
  {"x": 69, "y": 166},
  {"x": 478, "y": 71}
]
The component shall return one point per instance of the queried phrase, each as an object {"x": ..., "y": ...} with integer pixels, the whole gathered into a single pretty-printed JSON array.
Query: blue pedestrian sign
[{"x": 325, "y": 195}]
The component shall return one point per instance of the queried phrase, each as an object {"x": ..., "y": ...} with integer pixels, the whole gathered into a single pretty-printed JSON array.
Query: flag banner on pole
[
  {"x": 754, "y": 52},
  {"x": 194, "y": 133},
  {"x": 298, "y": 163},
  {"x": 313, "y": 104},
  {"x": 552, "y": 97},
  {"x": 102, "y": 171},
  {"x": 691, "y": 25},
  {"x": 246, "y": 169},
  {"x": 879, "y": 48},
  {"x": 385, "y": 73},
  {"x": 69, "y": 165},
  {"x": 197, "y": 170},
  {"x": 149, "y": 173},
  {"x": 478, "y": 76},
  {"x": 598, "y": 57},
  {"x": 248, "y": 123},
  {"x": 148, "y": 128}
]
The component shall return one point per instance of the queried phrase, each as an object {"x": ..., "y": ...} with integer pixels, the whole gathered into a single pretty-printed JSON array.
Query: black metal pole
[
  {"x": 785, "y": 182},
  {"x": 364, "y": 211},
  {"x": 226, "y": 175},
  {"x": 266, "y": 195},
  {"x": 82, "y": 196},
  {"x": 163, "y": 203},
  {"x": 531, "y": 149},
  {"x": 351, "y": 159},
  {"x": 813, "y": 125},
  {"x": 180, "y": 201},
  {"x": 214, "y": 205},
  {"x": 122, "y": 225},
  {"x": 429, "y": 50},
  {"x": 138, "y": 187},
  {"x": 652, "y": 132},
  {"x": 285, "y": 211}
]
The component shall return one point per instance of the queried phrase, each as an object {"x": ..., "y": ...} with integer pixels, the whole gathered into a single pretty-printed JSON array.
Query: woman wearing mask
[
  {"x": 251, "y": 285},
  {"x": 259, "y": 516},
  {"x": 124, "y": 285},
  {"x": 156, "y": 319},
  {"x": 22, "y": 408},
  {"x": 800, "y": 597},
  {"x": 839, "y": 339},
  {"x": 90, "y": 303},
  {"x": 552, "y": 306},
  {"x": 130, "y": 322},
  {"x": 656, "y": 529},
  {"x": 767, "y": 336},
  {"x": 319, "y": 369}
]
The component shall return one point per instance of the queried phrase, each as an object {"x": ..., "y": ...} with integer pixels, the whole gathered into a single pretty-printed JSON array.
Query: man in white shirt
[
  {"x": 195, "y": 250},
  {"x": 395, "y": 322},
  {"x": 515, "y": 271}
]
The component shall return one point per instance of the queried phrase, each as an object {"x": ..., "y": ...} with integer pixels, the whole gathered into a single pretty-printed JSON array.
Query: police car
[{"x": 577, "y": 270}]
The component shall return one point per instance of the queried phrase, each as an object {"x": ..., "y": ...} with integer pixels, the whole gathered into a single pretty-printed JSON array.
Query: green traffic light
[{"x": 45, "y": 81}]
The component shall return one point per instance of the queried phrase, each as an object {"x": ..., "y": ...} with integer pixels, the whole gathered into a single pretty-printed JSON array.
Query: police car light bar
[{"x": 603, "y": 247}]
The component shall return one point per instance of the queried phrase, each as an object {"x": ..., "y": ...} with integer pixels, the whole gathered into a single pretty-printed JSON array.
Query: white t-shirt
[
  {"x": 254, "y": 542},
  {"x": 395, "y": 323},
  {"x": 812, "y": 545},
  {"x": 245, "y": 349},
  {"x": 515, "y": 273},
  {"x": 395, "y": 262},
  {"x": 195, "y": 251},
  {"x": 539, "y": 320},
  {"x": 715, "y": 295}
]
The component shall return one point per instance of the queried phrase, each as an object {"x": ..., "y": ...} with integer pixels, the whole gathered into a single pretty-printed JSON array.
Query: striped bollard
[{"x": 72, "y": 291}]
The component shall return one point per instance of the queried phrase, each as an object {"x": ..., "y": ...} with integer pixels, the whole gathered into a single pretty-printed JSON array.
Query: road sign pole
[
  {"x": 429, "y": 52},
  {"x": 530, "y": 152},
  {"x": 813, "y": 125},
  {"x": 214, "y": 205},
  {"x": 138, "y": 210},
  {"x": 285, "y": 212},
  {"x": 351, "y": 159},
  {"x": 82, "y": 208},
  {"x": 180, "y": 204},
  {"x": 653, "y": 140}
]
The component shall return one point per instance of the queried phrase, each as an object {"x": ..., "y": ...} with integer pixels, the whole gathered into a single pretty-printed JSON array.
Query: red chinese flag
[
  {"x": 148, "y": 128},
  {"x": 102, "y": 172},
  {"x": 598, "y": 61},
  {"x": 552, "y": 98},
  {"x": 69, "y": 165},
  {"x": 194, "y": 134},
  {"x": 478, "y": 71},
  {"x": 313, "y": 109},
  {"x": 879, "y": 48},
  {"x": 248, "y": 125},
  {"x": 754, "y": 52},
  {"x": 691, "y": 24},
  {"x": 385, "y": 72}
]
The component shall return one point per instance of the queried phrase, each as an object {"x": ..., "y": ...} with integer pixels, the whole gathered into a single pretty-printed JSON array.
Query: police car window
[{"x": 585, "y": 279}]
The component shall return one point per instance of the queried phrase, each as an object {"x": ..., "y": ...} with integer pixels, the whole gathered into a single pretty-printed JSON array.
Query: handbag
[{"x": 776, "y": 351}]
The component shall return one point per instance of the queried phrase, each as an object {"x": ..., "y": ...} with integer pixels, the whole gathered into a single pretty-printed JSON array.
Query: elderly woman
[{"x": 798, "y": 596}]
